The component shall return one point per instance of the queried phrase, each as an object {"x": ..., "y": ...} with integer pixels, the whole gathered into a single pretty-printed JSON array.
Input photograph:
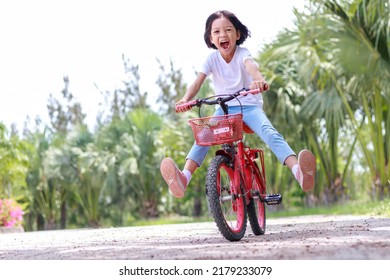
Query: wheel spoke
[{"x": 228, "y": 208}]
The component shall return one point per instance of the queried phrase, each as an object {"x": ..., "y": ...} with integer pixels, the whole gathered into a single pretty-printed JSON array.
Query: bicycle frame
[
  {"x": 250, "y": 157},
  {"x": 243, "y": 162}
]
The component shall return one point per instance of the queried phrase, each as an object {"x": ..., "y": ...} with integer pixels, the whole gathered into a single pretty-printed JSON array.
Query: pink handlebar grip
[
  {"x": 255, "y": 91},
  {"x": 185, "y": 105}
]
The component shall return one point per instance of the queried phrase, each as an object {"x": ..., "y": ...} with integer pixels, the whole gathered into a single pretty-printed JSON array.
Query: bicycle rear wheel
[
  {"x": 256, "y": 208},
  {"x": 227, "y": 206}
]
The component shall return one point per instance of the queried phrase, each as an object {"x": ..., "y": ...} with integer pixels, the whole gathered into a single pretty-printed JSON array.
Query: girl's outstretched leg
[
  {"x": 177, "y": 180},
  {"x": 303, "y": 168},
  {"x": 307, "y": 170}
]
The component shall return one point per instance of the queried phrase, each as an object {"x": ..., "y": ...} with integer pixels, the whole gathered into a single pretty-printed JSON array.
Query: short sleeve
[
  {"x": 206, "y": 66},
  {"x": 245, "y": 54}
]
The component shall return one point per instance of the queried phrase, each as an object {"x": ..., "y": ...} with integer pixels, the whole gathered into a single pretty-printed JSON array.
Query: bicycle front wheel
[{"x": 227, "y": 205}]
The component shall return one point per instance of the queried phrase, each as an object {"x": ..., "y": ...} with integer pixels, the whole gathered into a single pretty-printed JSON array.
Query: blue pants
[{"x": 256, "y": 120}]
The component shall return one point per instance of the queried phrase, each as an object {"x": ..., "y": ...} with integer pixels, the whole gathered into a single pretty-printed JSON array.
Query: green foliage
[
  {"x": 331, "y": 68},
  {"x": 64, "y": 116},
  {"x": 172, "y": 88},
  {"x": 357, "y": 207},
  {"x": 13, "y": 164},
  {"x": 329, "y": 92}
]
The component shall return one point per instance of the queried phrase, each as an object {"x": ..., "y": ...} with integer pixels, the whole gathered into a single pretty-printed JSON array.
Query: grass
[
  {"x": 173, "y": 219},
  {"x": 372, "y": 208}
]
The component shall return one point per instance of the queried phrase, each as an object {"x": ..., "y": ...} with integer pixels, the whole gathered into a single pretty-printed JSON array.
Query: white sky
[{"x": 41, "y": 41}]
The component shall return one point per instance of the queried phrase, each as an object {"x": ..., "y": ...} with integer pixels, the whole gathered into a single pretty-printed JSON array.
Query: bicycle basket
[{"x": 209, "y": 131}]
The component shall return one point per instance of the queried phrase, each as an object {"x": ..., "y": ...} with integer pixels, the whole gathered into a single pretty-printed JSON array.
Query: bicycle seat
[{"x": 246, "y": 129}]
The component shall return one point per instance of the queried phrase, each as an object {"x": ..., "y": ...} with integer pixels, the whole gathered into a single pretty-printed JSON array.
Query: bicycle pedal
[{"x": 273, "y": 199}]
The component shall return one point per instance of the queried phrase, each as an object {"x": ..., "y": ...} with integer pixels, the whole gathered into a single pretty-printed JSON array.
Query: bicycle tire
[
  {"x": 256, "y": 208},
  {"x": 229, "y": 213}
]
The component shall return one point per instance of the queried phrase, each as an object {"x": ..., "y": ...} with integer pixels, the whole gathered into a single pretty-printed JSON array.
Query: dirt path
[{"x": 309, "y": 237}]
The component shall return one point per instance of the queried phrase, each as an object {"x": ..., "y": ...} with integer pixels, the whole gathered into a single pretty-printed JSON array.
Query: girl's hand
[
  {"x": 261, "y": 85},
  {"x": 182, "y": 108}
]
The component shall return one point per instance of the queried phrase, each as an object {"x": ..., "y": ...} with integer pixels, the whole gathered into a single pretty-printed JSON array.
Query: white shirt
[{"x": 231, "y": 77}]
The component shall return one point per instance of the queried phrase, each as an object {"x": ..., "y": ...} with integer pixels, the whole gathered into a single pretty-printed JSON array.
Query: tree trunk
[
  {"x": 50, "y": 224},
  {"x": 197, "y": 202},
  {"x": 63, "y": 215}
]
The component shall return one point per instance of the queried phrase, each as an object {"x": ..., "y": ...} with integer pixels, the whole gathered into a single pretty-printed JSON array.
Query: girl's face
[{"x": 224, "y": 36}]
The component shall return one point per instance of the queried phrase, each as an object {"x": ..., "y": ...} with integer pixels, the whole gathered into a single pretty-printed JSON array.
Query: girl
[{"x": 232, "y": 68}]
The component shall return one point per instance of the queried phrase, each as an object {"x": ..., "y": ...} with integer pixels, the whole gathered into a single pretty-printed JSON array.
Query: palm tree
[
  {"x": 145, "y": 186},
  {"x": 43, "y": 199},
  {"x": 332, "y": 86},
  {"x": 127, "y": 149},
  {"x": 359, "y": 35},
  {"x": 75, "y": 182}
]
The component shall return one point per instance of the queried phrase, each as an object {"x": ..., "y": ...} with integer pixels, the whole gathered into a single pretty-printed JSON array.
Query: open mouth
[{"x": 225, "y": 45}]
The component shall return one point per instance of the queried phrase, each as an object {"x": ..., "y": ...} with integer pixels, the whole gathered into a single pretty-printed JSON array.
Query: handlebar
[{"x": 220, "y": 99}]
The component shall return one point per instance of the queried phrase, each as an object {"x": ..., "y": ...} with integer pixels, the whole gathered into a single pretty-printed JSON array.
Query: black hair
[{"x": 244, "y": 32}]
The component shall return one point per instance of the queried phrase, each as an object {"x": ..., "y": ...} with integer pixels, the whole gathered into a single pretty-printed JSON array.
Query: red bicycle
[{"x": 236, "y": 181}]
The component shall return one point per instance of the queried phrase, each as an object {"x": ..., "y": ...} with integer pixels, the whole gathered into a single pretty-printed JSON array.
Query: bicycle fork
[{"x": 253, "y": 175}]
